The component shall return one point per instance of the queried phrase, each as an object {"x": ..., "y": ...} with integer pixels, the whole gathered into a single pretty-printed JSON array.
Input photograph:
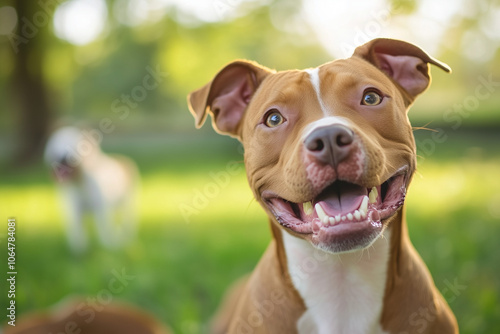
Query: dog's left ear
[
  {"x": 403, "y": 62},
  {"x": 227, "y": 96}
]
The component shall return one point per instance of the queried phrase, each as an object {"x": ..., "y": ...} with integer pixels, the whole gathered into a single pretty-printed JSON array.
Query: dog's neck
[{"x": 343, "y": 293}]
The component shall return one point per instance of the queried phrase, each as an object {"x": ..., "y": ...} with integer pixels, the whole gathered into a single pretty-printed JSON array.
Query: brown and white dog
[
  {"x": 329, "y": 154},
  {"x": 90, "y": 181}
]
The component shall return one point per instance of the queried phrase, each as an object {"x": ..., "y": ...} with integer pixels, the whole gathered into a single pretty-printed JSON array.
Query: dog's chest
[{"x": 343, "y": 293}]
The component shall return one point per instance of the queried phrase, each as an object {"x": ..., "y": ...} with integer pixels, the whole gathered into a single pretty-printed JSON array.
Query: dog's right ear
[
  {"x": 405, "y": 63},
  {"x": 227, "y": 96}
]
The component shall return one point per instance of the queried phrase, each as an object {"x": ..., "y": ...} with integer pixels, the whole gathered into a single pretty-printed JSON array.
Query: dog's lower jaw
[{"x": 344, "y": 217}]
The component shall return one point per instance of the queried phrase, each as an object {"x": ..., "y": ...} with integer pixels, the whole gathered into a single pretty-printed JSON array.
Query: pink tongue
[{"x": 341, "y": 198}]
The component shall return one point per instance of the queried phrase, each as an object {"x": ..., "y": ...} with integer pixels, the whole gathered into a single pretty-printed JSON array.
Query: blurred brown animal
[{"x": 70, "y": 318}]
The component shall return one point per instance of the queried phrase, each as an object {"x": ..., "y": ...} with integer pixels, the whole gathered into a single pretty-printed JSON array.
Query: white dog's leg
[
  {"x": 118, "y": 184},
  {"x": 74, "y": 210},
  {"x": 101, "y": 211},
  {"x": 128, "y": 218},
  {"x": 103, "y": 220}
]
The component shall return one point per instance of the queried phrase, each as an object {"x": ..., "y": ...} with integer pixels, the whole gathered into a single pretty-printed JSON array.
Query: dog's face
[
  {"x": 329, "y": 151},
  {"x": 66, "y": 151}
]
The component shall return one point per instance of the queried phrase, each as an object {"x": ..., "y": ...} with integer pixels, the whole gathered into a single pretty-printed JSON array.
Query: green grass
[{"x": 181, "y": 269}]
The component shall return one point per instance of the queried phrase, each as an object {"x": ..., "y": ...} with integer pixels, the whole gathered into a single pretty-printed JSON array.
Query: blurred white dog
[{"x": 91, "y": 181}]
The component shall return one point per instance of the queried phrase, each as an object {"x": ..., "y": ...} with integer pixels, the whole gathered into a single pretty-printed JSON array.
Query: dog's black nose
[{"x": 330, "y": 144}]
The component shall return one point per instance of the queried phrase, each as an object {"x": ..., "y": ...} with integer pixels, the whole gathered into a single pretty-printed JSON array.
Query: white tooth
[
  {"x": 343, "y": 218},
  {"x": 308, "y": 208},
  {"x": 349, "y": 216},
  {"x": 331, "y": 220},
  {"x": 337, "y": 218},
  {"x": 373, "y": 195},
  {"x": 363, "y": 208},
  {"x": 326, "y": 220},
  {"x": 321, "y": 213},
  {"x": 357, "y": 215}
]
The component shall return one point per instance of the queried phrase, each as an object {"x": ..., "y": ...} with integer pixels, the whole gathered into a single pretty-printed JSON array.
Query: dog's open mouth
[{"x": 342, "y": 207}]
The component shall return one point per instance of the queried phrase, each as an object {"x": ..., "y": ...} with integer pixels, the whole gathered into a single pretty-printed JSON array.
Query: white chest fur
[{"x": 343, "y": 293}]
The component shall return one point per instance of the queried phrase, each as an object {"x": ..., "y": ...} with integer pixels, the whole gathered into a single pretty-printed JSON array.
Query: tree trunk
[{"x": 30, "y": 93}]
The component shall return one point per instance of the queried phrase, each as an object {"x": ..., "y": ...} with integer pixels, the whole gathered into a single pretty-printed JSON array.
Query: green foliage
[{"x": 404, "y": 7}]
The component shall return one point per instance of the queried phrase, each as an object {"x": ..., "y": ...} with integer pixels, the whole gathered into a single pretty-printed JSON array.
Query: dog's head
[
  {"x": 329, "y": 151},
  {"x": 67, "y": 150}
]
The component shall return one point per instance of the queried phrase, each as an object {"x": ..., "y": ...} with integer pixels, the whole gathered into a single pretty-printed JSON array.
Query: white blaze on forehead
[
  {"x": 325, "y": 121},
  {"x": 314, "y": 76}
]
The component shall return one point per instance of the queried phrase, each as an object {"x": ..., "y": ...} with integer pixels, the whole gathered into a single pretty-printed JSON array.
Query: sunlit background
[{"x": 83, "y": 61}]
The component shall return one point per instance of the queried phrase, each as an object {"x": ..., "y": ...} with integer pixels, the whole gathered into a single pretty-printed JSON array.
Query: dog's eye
[
  {"x": 371, "y": 98},
  {"x": 274, "y": 118}
]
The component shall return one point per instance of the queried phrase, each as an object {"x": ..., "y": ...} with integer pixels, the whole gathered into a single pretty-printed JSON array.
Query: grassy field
[{"x": 181, "y": 264}]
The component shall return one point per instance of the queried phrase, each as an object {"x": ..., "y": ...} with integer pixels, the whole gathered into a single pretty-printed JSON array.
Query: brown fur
[{"x": 68, "y": 318}]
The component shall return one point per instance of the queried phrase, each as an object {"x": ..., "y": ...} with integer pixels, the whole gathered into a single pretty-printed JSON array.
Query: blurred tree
[{"x": 29, "y": 87}]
